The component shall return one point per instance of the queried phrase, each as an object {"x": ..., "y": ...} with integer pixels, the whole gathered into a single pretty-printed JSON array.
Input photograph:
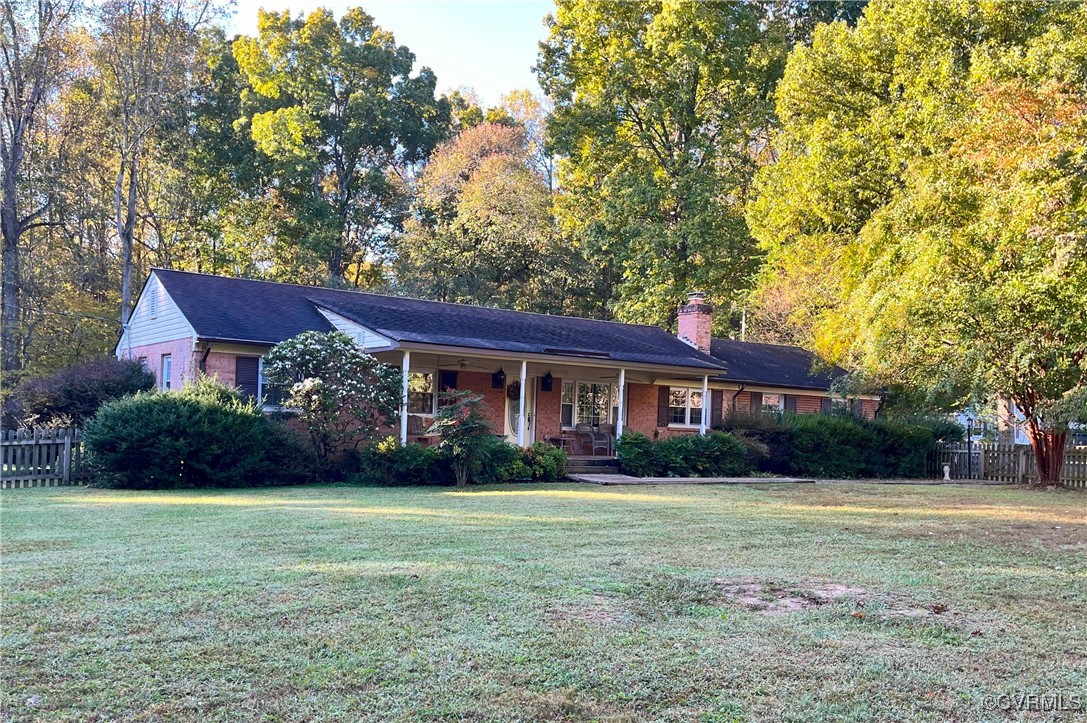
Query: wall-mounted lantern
[
  {"x": 498, "y": 379},
  {"x": 547, "y": 382}
]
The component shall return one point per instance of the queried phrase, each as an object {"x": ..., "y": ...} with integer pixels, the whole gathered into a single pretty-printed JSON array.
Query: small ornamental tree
[
  {"x": 341, "y": 394},
  {"x": 70, "y": 396},
  {"x": 465, "y": 432}
]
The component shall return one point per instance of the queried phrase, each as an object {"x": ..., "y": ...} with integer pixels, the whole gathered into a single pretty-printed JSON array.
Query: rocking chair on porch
[{"x": 593, "y": 439}]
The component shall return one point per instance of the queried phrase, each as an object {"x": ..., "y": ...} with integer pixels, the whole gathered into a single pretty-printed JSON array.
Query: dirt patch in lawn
[
  {"x": 770, "y": 598},
  {"x": 598, "y": 610}
]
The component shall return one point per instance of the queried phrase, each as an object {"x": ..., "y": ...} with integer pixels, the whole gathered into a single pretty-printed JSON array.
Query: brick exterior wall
[
  {"x": 548, "y": 411},
  {"x": 221, "y": 365},
  {"x": 495, "y": 399},
  {"x": 181, "y": 360},
  {"x": 642, "y": 409},
  {"x": 641, "y": 402},
  {"x": 742, "y": 402}
]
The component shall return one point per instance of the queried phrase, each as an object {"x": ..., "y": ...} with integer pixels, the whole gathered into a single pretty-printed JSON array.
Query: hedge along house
[{"x": 581, "y": 382}]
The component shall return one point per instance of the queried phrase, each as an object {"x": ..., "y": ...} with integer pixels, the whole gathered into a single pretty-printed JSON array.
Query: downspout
[
  {"x": 204, "y": 359},
  {"x": 732, "y": 404}
]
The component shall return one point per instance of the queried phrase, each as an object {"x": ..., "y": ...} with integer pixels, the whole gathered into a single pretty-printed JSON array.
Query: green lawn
[{"x": 768, "y": 602}]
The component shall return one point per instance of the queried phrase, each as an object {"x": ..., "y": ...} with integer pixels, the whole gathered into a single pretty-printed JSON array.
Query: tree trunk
[
  {"x": 1048, "y": 448},
  {"x": 125, "y": 218},
  {"x": 9, "y": 219}
]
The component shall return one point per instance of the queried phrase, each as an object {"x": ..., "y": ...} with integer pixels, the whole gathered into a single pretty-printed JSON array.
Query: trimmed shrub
[
  {"x": 71, "y": 396},
  {"x": 205, "y": 435},
  {"x": 545, "y": 462},
  {"x": 832, "y": 445},
  {"x": 388, "y": 464},
  {"x": 288, "y": 457},
  {"x": 714, "y": 455}
]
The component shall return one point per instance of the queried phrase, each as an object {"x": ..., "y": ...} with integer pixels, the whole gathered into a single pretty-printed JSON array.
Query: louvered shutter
[
  {"x": 246, "y": 374},
  {"x": 662, "y": 406},
  {"x": 826, "y": 406},
  {"x": 717, "y": 400},
  {"x": 756, "y": 401},
  {"x": 790, "y": 403}
]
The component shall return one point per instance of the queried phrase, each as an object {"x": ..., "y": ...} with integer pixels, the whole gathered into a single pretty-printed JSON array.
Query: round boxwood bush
[{"x": 204, "y": 435}]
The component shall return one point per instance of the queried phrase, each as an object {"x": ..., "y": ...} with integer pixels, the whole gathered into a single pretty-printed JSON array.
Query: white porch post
[
  {"x": 706, "y": 404},
  {"x": 404, "y": 398},
  {"x": 622, "y": 403},
  {"x": 521, "y": 406}
]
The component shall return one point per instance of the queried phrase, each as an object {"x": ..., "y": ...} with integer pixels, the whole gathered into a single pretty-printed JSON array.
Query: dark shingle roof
[
  {"x": 772, "y": 365},
  {"x": 265, "y": 312}
]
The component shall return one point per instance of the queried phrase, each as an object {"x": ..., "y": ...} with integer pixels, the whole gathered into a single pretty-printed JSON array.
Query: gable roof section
[
  {"x": 772, "y": 365},
  {"x": 264, "y": 312}
]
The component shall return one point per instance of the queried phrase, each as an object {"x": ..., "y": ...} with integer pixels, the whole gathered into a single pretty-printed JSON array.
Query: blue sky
[{"x": 487, "y": 46}]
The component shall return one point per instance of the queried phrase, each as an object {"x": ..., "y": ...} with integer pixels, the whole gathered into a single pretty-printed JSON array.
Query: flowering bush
[{"x": 341, "y": 394}]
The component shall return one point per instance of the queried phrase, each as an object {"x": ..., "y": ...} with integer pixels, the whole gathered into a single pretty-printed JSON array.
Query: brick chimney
[{"x": 696, "y": 322}]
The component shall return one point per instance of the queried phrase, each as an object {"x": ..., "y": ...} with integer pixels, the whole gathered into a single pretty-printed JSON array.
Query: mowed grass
[{"x": 764, "y": 602}]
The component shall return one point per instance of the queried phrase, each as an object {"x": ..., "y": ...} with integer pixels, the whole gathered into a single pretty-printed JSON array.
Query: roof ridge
[
  {"x": 764, "y": 343},
  {"x": 410, "y": 298}
]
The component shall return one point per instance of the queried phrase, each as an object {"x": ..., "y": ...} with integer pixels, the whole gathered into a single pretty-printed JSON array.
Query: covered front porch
[{"x": 578, "y": 403}]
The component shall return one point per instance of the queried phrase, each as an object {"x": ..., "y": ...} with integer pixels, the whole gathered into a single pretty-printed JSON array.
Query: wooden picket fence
[
  {"x": 41, "y": 457},
  {"x": 1003, "y": 463}
]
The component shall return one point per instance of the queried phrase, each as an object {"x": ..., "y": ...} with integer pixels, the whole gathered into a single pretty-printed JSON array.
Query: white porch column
[
  {"x": 622, "y": 403},
  {"x": 704, "y": 423},
  {"x": 404, "y": 397},
  {"x": 521, "y": 406}
]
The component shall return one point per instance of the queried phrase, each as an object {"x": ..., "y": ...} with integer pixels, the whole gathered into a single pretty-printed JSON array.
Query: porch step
[{"x": 592, "y": 465}]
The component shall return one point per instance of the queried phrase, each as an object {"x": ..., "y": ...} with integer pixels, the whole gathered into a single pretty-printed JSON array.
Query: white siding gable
[
  {"x": 155, "y": 319},
  {"x": 367, "y": 339}
]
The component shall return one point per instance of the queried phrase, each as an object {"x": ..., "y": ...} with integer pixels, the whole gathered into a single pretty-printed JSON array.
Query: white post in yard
[
  {"x": 622, "y": 403},
  {"x": 521, "y": 406},
  {"x": 404, "y": 398},
  {"x": 704, "y": 422}
]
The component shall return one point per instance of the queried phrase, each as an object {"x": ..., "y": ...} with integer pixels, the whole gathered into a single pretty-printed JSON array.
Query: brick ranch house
[{"x": 582, "y": 381}]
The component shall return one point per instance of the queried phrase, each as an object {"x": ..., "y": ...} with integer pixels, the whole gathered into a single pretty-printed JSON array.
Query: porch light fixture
[
  {"x": 498, "y": 379},
  {"x": 547, "y": 382}
]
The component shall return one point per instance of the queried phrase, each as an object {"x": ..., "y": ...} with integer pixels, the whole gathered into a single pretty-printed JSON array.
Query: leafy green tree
[
  {"x": 144, "y": 51},
  {"x": 341, "y": 394},
  {"x": 660, "y": 110},
  {"x": 339, "y": 122},
  {"x": 465, "y": 432},
  {"x": 32, "y": 48},
  {"x": 482, "y": 231},
  {"x": 929, "y": 205}
]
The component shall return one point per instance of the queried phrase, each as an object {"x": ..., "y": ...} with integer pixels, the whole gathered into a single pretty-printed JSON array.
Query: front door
[{"x": 513, "y": 411}]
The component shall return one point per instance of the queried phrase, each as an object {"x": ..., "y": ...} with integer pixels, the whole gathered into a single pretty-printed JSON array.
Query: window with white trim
[
  {"x": 421, "y": 393},
  {"x": 271, "y": 395},
  {"x": 684, "y": 406},
  {"x": 167, "y": 372},
  {"x": 773, "y": 402},
  {"x": 590, "y": 403}
]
